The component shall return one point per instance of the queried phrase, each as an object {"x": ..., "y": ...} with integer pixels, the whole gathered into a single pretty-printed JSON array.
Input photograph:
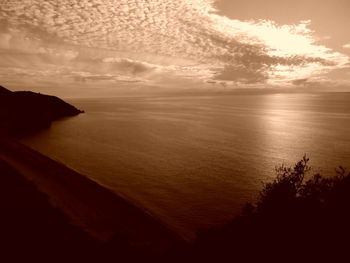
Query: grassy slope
[
  {"x": 32, "y": 229},
  {"x": 51, "y": 223}
]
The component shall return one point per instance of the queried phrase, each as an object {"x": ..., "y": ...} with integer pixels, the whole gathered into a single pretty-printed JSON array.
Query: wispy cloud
[{"x": 153, "y": 40}]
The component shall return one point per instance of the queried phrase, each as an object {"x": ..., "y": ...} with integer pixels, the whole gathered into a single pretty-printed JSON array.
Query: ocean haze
[{"x": 193, "y": 161}]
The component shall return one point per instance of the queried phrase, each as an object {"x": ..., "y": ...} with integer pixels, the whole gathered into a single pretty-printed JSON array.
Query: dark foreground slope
[
  {"x": 24, "y": 112},
  {"x": 32, "y": 229},
  {"x": 94, "y": 211}
]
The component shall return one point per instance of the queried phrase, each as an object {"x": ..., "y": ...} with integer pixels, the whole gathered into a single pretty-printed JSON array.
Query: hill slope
[{"x": 24, "y": 112}]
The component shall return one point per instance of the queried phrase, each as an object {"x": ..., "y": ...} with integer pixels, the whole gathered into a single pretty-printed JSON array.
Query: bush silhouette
[{"x": 299, "y": 217}]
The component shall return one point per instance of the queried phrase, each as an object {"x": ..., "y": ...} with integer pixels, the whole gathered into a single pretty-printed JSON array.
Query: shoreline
[{"x": 91, "y": 207}]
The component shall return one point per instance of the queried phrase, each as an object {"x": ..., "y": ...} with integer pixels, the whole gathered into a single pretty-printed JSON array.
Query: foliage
[{"x": 299, "y": 216}]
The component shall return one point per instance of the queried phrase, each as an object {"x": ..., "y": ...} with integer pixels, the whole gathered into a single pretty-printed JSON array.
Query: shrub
[{"x": 299, "y": 216}]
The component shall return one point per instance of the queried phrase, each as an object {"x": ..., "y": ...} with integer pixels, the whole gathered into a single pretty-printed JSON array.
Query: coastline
[{"x": 89, "y": 206}]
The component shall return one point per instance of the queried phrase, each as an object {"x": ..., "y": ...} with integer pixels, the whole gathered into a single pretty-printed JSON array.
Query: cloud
[
  {"x": 157, "y": 40},
  {"x": 346, "y": 46},
  {"x": 299, "y": 82},
  {"x": 130, "y": 66}
]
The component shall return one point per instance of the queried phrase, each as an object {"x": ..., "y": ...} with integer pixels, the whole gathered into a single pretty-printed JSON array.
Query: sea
[{"x": 193, "y": 161}]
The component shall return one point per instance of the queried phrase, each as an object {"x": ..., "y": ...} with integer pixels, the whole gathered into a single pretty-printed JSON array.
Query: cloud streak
[{"x": 159, "y": 39}]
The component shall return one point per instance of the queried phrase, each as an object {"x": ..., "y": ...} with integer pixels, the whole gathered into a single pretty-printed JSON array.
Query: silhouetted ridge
[
  {"x": 4, "y": 90},
  {"x": 24, "y": 112}
]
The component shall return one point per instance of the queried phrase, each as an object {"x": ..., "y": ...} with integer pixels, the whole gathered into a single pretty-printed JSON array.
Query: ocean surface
[{"x": 194, "y": 161}]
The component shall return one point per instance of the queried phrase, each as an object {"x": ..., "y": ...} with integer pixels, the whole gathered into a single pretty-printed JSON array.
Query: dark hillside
[{"x": 24, "y": 112}]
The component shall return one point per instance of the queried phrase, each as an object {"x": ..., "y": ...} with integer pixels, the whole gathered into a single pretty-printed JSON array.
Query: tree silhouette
[{"x": 299, "y": 217}]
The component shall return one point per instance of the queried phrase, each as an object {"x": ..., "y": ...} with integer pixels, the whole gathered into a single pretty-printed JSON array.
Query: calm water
[{"x": 193, "y": 161}]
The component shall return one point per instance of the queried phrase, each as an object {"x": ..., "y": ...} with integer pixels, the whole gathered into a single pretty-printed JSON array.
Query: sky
[{"x": 83, "y": 48}]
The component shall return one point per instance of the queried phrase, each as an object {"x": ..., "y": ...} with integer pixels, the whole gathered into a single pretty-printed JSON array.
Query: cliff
[{"x": 25, "y": 112}]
